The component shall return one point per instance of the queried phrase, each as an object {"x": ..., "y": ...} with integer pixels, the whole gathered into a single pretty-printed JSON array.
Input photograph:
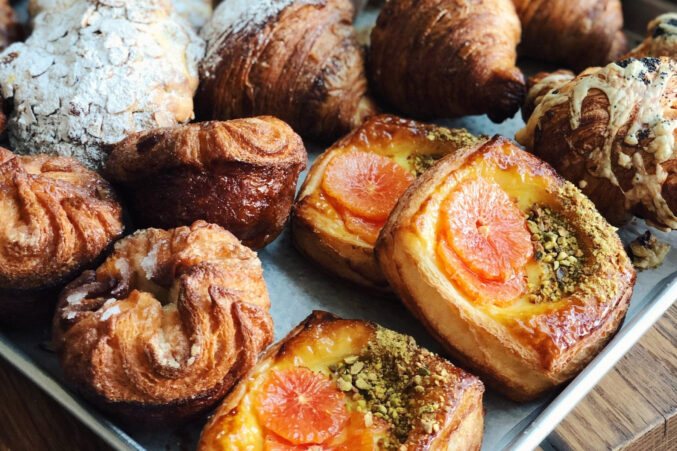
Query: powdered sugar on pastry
[{"x": 96, "y": 72}]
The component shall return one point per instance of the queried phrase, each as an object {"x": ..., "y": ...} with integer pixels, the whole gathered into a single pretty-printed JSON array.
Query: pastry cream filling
[{"x": 636, "y": 90}]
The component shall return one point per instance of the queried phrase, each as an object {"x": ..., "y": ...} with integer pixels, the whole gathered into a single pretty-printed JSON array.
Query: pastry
[
  {"x": 294, "y": 59},
  {"x": 57, "y": 218},
  {"x": 166, "y": 325},
  {"x": 509, "y": 266},
  {"x": 197, "y": 12},
  {"x": 612, "y": 132},
  {"x": 541, "y": 84},
  {"x": 447, "y": 58},
  {"x": 240, "y": 174},
  {"x": 661, "y": 38},
  {"x": 95, "y": 72},
  {"x": 351, "y": 188},
  {"x": 363, "y": 388},
  {"x": 577, "y": 33}
]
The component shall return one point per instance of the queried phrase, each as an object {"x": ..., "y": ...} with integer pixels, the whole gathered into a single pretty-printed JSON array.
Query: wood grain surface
[{"x": 634, "y": 407}]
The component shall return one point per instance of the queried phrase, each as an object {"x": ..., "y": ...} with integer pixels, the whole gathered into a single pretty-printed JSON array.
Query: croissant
[
  {"x": 297, "y": 60},
  {"x": 240, "y": 174},
  {"x": 660, "y": 40},
  {"x": 447, "y": 58},
  {"x": 612, "y": 131},
  {"x": 508, "y": 265},
  {"x": 541, "y": 84},
  {"x": 365, "y": 388},
  {"x": 57, "y": 218},
  {"x": 577, "y": 33},
  {"x": 166, "y": 325}
]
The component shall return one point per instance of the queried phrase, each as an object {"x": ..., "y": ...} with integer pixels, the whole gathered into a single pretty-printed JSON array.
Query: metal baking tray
[{"x": 296, "y": 287}]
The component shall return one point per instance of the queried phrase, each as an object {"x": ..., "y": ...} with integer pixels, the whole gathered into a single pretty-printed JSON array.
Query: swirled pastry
[
  {"x": 351, "y": 188},
  {"x": 294, "y": 59},
  {"x": 447, "y": 58},
  {"x": 577, "y": 33},
  {"x": 95, "y": 72},
  {"x": 166, "y": 325},
  {"x": 541, "y": 84},
  {"x": 240, "y": 174},
  {"x": 613, "y": 131},
  {"x": 660, "y": 40},
  {"x": 349, "y": 385},
  {"x": 57, "y": 218},
  {"x": 509, "y": 266}
]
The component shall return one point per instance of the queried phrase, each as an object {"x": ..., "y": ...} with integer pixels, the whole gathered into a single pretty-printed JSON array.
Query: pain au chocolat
[
  {"x": 509, "y": 266},
  {"x": 240, "y": 174},
  {"x": 349, "y": 385},
  {"x": 166, "y": 325},
  {"x": 57, "y": 217},
  {"x": 351, "y": 188}
]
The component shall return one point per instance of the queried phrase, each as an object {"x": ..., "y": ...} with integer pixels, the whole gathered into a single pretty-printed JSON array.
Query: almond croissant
[
  {"x": 613, "y": 131},
  {"x": 447, "y": 57},
  {"x": 577, "y": 33},
  {"x": 295, "y": 59},
  {"x": 166, "y": 325}
]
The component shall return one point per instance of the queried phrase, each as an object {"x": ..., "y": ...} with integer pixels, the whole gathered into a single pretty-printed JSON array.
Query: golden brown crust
[
  {"x": 318, "y": 230},
  {"x": 240, "y": 174},
  {"x": 301, "y": 64},
  {"x": 577, "y": 33},
  {"x": 524, "y": 349},
  {"x": 447, "y": 58},
  {"x": 460, "y": 416},
  {"x": 541, "y": 84},
  {"x": 660, "y": 40},
  {"x": 619, "y": 147},
  {"x": 57, "y": 218},
  {"x": 166, "y": 325}
]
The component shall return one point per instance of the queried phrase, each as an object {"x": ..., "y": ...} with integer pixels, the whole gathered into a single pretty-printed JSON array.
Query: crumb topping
[{"x": 647, "y": 252}]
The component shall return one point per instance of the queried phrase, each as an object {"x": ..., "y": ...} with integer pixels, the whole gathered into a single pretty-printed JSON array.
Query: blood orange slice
[
  {"x": 365, "y": 183},
  {"x": 486, "y": 230},
  {"x": 301, "y": 406},
  {"x": 365, "y": 229},
  {"x": 274, "y": 442}
]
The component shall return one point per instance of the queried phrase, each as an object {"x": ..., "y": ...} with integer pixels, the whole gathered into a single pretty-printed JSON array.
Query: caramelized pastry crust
[
  {"x": 660, "y": 40},
  {"x": 447, "y": 58},
  {"x": 340, "y": 240},
  {"x": 577, "y": 33},
  {"x": 240, "y": 174},
  {"x": 166, "y": 325},
  {"x": 294, "y": 59},
  {"x": 509, "y": 266},
  {"x": 57, "y": 217},
  {"x": 613, "y": 131},
  {"x": 390, "y": 394}
]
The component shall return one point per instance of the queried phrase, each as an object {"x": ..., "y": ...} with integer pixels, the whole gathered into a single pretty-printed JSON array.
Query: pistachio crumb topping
[
  {"x": 459, "y": 138},
  {"x": 557, "y": 249},
  {"x": 388, "y": 381},
  {"x": 421, "y": 162},
  {"x": 647, "y": 252}
]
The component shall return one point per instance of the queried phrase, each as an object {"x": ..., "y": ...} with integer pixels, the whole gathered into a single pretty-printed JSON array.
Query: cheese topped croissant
[{"x": 613, "y": 131}]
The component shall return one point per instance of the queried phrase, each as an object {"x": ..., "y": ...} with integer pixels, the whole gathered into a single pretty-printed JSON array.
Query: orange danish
[
  {"x": 352, "y": 187},
  {"x": 349, "y": 385},
  {"x": 166, "y": 325},
  {"x": 509, "y": 266}
]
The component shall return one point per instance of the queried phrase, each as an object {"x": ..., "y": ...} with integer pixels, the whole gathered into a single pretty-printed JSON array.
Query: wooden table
[{"x": 634, "y": 407}]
